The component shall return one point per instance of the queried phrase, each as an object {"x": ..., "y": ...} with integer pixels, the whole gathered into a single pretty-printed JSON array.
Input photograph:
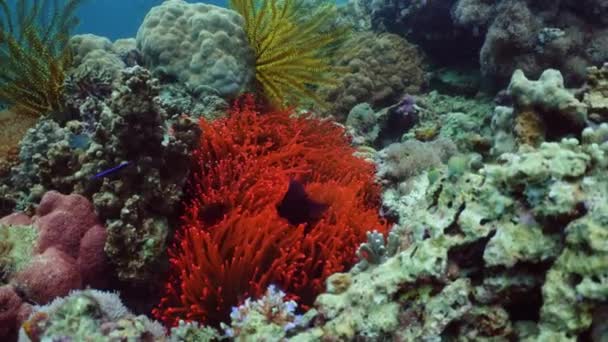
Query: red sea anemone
[{"x": 234, "y": 242}]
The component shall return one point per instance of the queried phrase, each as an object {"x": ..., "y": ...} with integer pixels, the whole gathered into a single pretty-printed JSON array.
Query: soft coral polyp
[{"x": 233, "y": 243}]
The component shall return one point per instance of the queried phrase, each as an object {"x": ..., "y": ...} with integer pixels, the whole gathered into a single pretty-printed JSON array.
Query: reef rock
[{"x": 515, "y": 250}]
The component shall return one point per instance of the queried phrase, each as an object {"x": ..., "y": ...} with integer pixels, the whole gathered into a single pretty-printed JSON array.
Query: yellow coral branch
[{"x": 292, "y": 55}]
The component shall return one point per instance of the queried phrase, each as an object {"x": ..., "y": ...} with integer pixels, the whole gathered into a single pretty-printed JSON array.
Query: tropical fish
[
  {"x": 111, "y": 170},
  {"x": 297, "y": 207}
]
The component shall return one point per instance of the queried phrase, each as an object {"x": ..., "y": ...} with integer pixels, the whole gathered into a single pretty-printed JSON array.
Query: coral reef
[
  {"x": 596, "y": 94},
  {"x": 202, "y": 46},
  {"x": 242, "y": 228},
  {"x": 511, "y": 251},
  {"x": 59, "y": 249},
  {"x": 97, "y": 68},
  {"x": 13, "y": 311},
  {"x": 135, "y": 203},
  {"x": 375, "y": 184},
  {"x": 543, "y": 110},
  {"x": 35, "y": 59},
  {"x": 377, "y": 79},
  {"x": 14, "y": 127},
  {"x": 503, "y": 35},
  {"x": 400, "y": 161},
  {"x": 549, "y": 97},
  {"x": 378, "y": 129},
  {"x": 266, "y": 319},
  {"x": 46, "y": 256},
  {"x": 35, "y": 55},
  {"x": 88, "y": 315},
  {"x": 292, "y": 51},
  {"x": 464, "y": 121}
]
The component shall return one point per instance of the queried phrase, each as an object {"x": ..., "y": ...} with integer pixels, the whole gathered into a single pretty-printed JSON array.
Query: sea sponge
[
  {"x": 381, "y": 68},
  {"x": 203, "y": 46}
]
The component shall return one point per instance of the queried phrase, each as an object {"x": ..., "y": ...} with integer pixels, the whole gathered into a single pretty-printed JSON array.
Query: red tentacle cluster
[{"x": 233, "y": 242}]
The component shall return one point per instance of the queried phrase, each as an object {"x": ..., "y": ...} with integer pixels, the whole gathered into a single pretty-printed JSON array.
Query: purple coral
[
  {"x": 401, "y": 118},
  {"x": 406, "y": 106},
  {"x": 272, "y": 307}
]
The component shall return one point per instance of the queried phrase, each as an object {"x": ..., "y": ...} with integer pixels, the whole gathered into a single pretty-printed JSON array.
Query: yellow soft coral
[
  {"x": 292, "y": 53},
  {"x": 34, "y": 54}
]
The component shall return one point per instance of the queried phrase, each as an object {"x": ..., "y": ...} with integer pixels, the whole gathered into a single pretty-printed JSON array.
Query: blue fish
[{"x": 111, "y": 170}]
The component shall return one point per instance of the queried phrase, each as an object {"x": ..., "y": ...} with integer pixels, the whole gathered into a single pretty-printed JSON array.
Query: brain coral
[
  {"x": 201, "y": 45},
  {"x": 380, "y": 69}
]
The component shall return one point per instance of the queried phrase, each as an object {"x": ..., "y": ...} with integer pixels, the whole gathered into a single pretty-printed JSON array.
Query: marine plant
[
  {"x": 292, "y": 51},
  {"x": 34, "y": 54},
  {"x": 237, "y": 239}
]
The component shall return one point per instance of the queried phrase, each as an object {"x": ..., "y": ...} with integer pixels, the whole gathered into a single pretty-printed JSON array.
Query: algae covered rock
[
  {"x": 596, "y": 98},
  {"x": 515, "y": 250},
  {"x": 548, "y": 94}
]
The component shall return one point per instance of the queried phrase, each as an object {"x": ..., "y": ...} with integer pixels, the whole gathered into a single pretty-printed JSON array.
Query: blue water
[{"x": 118, "y": 18}]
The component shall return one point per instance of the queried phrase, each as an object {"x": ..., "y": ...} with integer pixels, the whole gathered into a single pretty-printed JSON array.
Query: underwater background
[
  {"x": 117, "y": 19},
  {"x": 303, "y": 170}
]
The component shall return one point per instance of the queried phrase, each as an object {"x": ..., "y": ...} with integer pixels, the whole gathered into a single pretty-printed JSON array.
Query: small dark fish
[
  {"x": 108, "y": 171},
  {"x": 296, "y": 207}
]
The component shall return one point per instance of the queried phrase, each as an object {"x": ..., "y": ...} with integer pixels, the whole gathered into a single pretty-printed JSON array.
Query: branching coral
[
  {"x": 291, "y": 54},
  {"x": 34, "y": 54},
  {"x": 234, "y": 243}
]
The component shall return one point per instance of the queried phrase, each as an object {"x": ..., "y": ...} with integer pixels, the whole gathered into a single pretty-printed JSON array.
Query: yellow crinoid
[
  {"x": 34, "y": 54},
  {"x": 292, "y": 48}
]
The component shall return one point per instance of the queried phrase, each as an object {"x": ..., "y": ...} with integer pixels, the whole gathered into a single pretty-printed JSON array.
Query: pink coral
[
  {"x": 69, "y": 250},
  {"x": 63, "y": 221},
  {"x": 49, "y": 275},
  {"x": 12, "y": 311},
  {"x": 16, "y": 219},
  {"x": 92, "y": 259}
]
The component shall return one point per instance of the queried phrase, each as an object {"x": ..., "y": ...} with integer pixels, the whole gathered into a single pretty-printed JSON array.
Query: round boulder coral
[
  {"x": 380, "y": 69},
  {"x": 203, "y": 46},
  {"x": 65, "y": 252},
  {"x": 63, "y": 221}
]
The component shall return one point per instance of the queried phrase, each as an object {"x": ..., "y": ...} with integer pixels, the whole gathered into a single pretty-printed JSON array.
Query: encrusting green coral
[
  {"x": 514, "y": 251},
  {"x": 291, "y": 54},
  {"x": 34, "y": 54},
  {"x": 89, "y": 315},
  {"x": 16, "y": 246}
]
